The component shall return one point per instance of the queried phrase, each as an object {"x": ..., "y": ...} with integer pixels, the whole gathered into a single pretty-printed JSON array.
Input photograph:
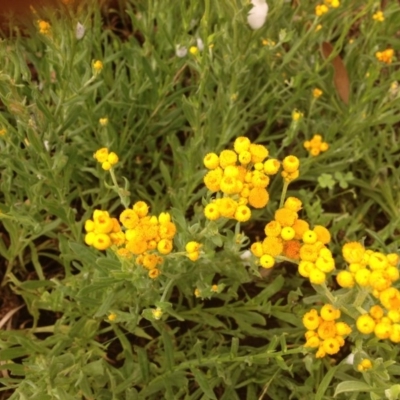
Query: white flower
[
  {"x": 350, "y": 359},
  {"x": 200, "y": 44},
  {"x": 79, "y": 31},
  {"x": 258, "y": 14},
  {"x": 180, "y": 51}
]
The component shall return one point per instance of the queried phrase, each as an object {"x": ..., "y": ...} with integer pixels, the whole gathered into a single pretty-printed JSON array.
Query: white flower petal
[
  {"x": 180, "y": 51},
  {"x": 200, "y": 44},
  {"x": 258, "y": 14},
  {"x": 79, "y": 31}
]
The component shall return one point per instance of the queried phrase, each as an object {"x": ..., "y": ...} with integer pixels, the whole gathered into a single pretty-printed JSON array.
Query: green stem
[
  {"x": 283, "y": 195},
  {"x": 166, "y": 289}
]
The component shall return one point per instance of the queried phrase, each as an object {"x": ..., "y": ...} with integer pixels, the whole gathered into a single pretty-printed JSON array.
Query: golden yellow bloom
[
  {"x": 272, "y": 246},
  {"x": 329, "y": 313},
  {"x": 227, "y": 157},
  {"x": 258, "y": 197},
  {"x": 257, "y": 249},
  {"x": 317, "y": 277},
  {"x": 311, "y": 320},
  {"x": 267, "y": 261},
  {"x": 194, "y": 50},
  {"x": 345, "y": 279},
  {"x": 364, "y": 365},
  {"x": 157, "y": 313},
  {"x": 300, "y": 226},
  {"x": 241, "y": 144},
  {"x": 258, "y": 153},
  {"x": 385, "y": 56},
  {"x": 103, "y": 121},
  {"x": 378, "y": 16},
  {"x": 321, "y": 9},
  {"x": 291, "y": 249},
  {"x": 141, "y": 209},
  {"x": 331, "y": 346},
  {"x": 101, "y": 241},
  {"x": 291, "y": 164},
  {"x": 44, "y": 27},
  {"x": 285, "y": 217},
  {"x": 273, "y": 229},
  {"x": 323, "y": 235},
  {"x": 212, "y": 179},
  {"x": 164, "y": 246},
  {"x": 365, "y": 324},
  {"x": 211, "y": 161},
  {"x": 211, "y": 211},
  {"x": 296, "y": 115},
  {"x": 112, "y": 317},
  {"x": 242, "y": 213},
  {"x": 194, "y": 256},
  {"x": 97, "y": 66},
  {"x": 154, "y": 273},
  {"x": 192, "y": 246},
  {"x": 101, "y": 155},
  {"x": 271, "y": 166},
  {"x": 129, "y": 219},
  {"x": 317, "y": 93},
  {"x": 353, "y": 252}
]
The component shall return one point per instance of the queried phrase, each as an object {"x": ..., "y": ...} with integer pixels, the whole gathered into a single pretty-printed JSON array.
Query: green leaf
[
  {"x": 352, "y": 386},
  {"x": 323, "y": 386},
  {"x": 203, "y": 382}
]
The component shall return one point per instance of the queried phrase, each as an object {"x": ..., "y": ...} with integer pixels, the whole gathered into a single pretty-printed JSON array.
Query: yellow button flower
[{"x": 365, "y": 324}]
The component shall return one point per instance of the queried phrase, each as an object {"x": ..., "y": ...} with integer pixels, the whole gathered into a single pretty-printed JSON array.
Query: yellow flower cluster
[
  {"x": 385, "y": 56},
  {"x": 323, "y": 332},
  {"x": 290, "y": 165},
  {"x": 103, "y": 231},
  {"x": 192, "y": 250},
  {"x": 44, "y": 27},
  {"x": 322, "y": 9},
  {"x": 368, "y": 268},
  {"x": 315, "y": 146},
  {"x": 242, "y": 176},
  {"x": 107, "y": 160},
  {"x": 317, "y": 93},
  {"x": 383, "y": 323},
  {"x": 364, "y": 365},
  {"x": 281, "y": 237},
  {"x": 140, "y": 235},
  {"x": 97, "y": 66},
  {"x": 378, "y": 16}
]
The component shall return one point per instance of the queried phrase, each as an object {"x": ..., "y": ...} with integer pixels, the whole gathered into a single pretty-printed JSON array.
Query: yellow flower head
[
  {"x": 258, "y": 153},
  {"x": 317, "y": 93},
  {"x": 291, "y": 249},
  {"x": 291, "y": 164},
  {"x": 211, "y": 211},
  {"x": 385, "y": 56},
  {"x": 227, "y": 157},
  {"x": 241, "y": 144},
  {"x": 242, "y": 213},
  {"x": 258, "y": 197},
  {"x": 211, "y": 161},
  {"x": 321, "y": 9},
  {"x": 378, "y": 16},
  {"x": 271, "y": 166},
  {"x": 103, "y": 121},
  {"x": 293, "y": 203},
  {"x": 273, "y": 229},
  {"x": 353, "y": 252},
  {"x": 286, "y": 217},
  {"x": 272, "y": 246},
  {"x": 364, "y": 365},
  {"x": 44, "y": 27},
  {"x": 97, "y": 66},
  {"x": 311, "y": 320}
]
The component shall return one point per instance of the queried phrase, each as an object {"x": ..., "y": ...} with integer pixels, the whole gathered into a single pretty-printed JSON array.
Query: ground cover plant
[{"x": 200, "y": 200}]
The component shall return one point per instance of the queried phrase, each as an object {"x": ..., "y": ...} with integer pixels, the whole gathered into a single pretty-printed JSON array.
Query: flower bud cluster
[
  {"x": 324, "y": 332},
  {"x": 193, "y": 250},
  {"x": 315, "y": 146},
  {"x": 107, "y": 160},
  {"x": 142, "y": 236},
  {"x": 289, "y": 236},
  {"x": 242, "y": 177},
  {"x": 383, "y": 323},
  {"x": 290, "y": 165},
  {"x": 367, "y": 268}
]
